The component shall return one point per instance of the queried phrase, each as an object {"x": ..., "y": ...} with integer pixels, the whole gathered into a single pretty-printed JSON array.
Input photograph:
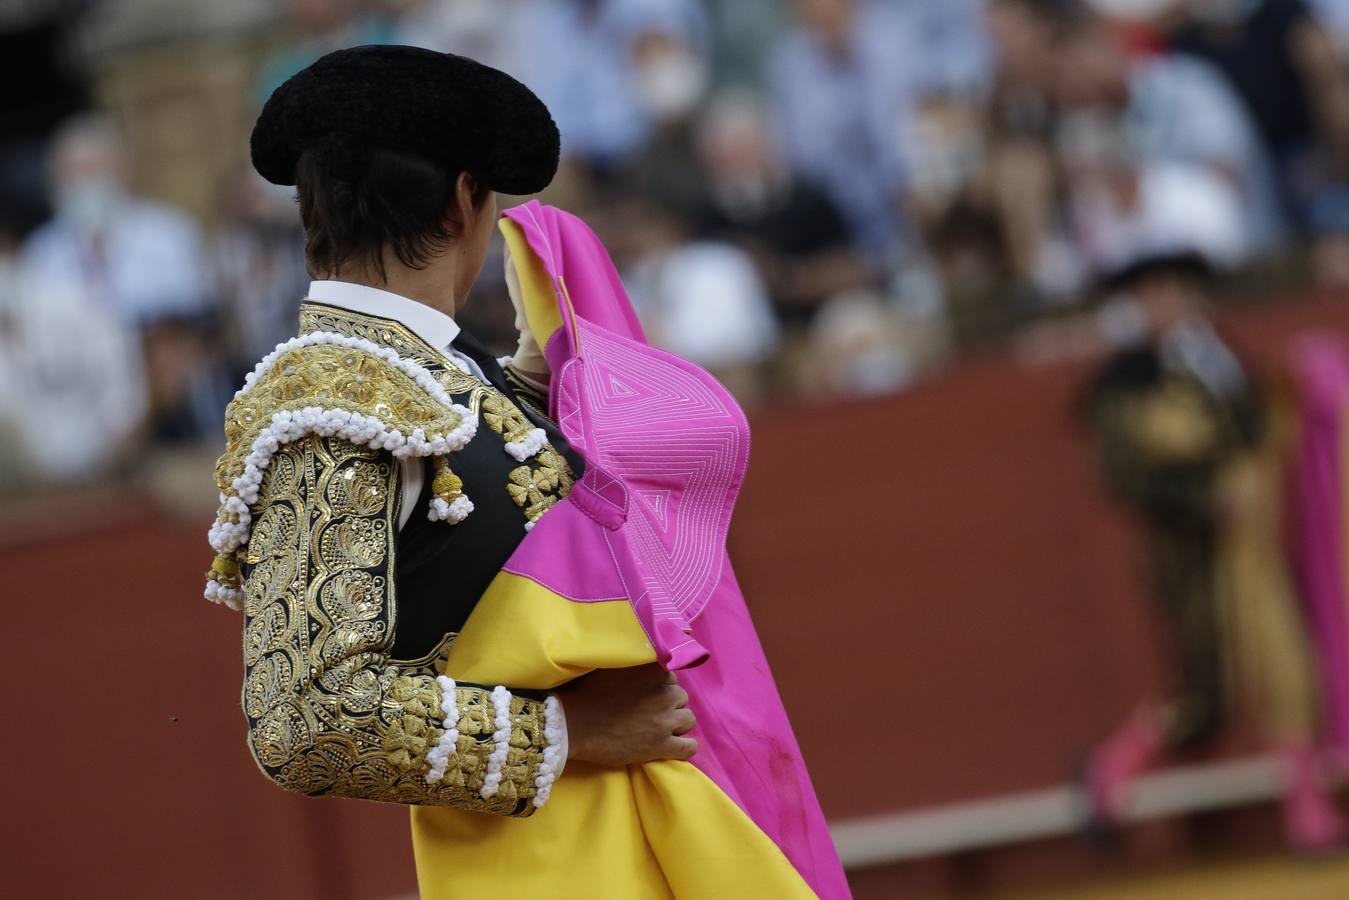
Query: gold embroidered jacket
[
  {"x": 308, "y": 546},
  {"x": 1164, "y": 436}
]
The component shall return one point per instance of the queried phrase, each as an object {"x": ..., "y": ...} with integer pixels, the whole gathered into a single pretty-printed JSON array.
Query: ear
[{"x": 466, "y": 188}]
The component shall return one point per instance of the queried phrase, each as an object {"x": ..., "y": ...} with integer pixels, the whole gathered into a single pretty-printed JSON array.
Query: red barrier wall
[{"x": 950, "y": 606}]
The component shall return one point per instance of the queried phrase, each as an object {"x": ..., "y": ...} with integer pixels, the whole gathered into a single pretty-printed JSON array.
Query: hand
[
  {"x": 528, "y": 358},
  {"x": 617, "y": 717}
]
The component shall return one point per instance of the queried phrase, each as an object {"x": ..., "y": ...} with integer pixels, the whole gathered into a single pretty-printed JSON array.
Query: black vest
[{"x": 442, "y": 569}]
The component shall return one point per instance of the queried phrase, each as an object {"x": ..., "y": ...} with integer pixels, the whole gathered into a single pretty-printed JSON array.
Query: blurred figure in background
[
  {"x": 141, "y": 263},
  {"x": 982, "y": 207},
  {"x": 1334, "y": 17},
  {"x": 844, "y": 91},
  {"x": 317, "y": 27},
  {"x": 481, "y": 29},
  {"x": 984, "y": 188},
  {"x": 744, "y": 33},
  {"x": 797, "y": 238},
  {"x": 259, "y": 267},
  {"x": 1186, "y": 442},
  {"x": 671, "y": 73},
  {"x": 141, "y": 258},
  {"x": 610, "y": 70},
  {"x": 1169, "y": 109},
  {"x": 1286, "y": 67},
  {"x": 700, "y": 299},
  {"x": 951, "y": 43},
  {"x": 1019, "y": 131},
  {"x": 72, "y": 387},
  {"x": 1119, "y": 200},
  {"x": 861, "y": 346}
]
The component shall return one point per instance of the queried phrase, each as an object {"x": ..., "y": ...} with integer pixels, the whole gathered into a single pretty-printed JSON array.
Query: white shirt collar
[{"x": 431, "y": 325}]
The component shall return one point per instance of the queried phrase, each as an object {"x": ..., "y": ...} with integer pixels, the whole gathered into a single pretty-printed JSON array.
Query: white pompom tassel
[{"x": 501, "y": 740}]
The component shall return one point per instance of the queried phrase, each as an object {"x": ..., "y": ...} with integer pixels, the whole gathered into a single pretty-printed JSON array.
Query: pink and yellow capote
[{"x": 629, "y": 569}]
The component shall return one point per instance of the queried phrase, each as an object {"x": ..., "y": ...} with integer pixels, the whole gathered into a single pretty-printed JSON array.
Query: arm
[
  {"x": 528, "y": 359},
  {"x": 329, "y": 712}
]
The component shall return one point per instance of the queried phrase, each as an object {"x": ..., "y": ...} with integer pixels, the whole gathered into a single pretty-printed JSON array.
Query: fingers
[
  {"x": 683, "y": 747},
  {"x": 679, "y": 697},
  {"x": 682, "y": 722}
]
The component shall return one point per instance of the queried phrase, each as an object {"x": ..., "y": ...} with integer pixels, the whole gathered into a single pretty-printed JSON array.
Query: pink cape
[
  {"x": 666, "y": 448},
  {"x": 1320, "y": 369}
]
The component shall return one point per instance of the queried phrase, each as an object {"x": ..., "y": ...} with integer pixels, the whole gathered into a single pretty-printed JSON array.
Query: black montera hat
[{"x": 447, "y": 109}]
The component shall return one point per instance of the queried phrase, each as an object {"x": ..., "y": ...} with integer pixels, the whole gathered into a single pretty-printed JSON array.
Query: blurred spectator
[
  {"x": 1022, "y": 35},
  {"x": 580, "y": 68},
  {"x": 482, "y": 29},
  {"x": 1020, "y": 166},
  {"x": 970, "y": 198},
  {"x": 983, "y": 186},
  {"x": 861, "y": 347},
  {"x": 671, "y": 75},
  {"x": 1286, "y": 67},
  {"x": 1334, "y": 16},
  {"x": 744, "y": 33},
  {"x": 1123, "y": 204},
  {"x": 507, "y": 34},
  {"x": 702, "y": 300},
  {"x": 259, "y": 267},
  {"x": 844, "y": 88},
  {"x": 139, "y": 260},
  {"x": 1171, "y": 109},
  {"x": 951, "y": 42},
  {"x": 72, "y": 388},
  {"x": 589, "y": 62},
  {"x": 318, "y": 27},
  {"x": 792, "y": 230},
  {"x": 30, "y": 55}
]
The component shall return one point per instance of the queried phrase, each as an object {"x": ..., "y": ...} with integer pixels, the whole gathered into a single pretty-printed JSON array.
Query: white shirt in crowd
[
  {"x": 72, "y": 387},
  {"x": 145, "y": 263}
]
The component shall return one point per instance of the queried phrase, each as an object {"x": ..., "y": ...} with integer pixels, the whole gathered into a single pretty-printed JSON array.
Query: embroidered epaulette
[{"x": 333, "y": 386}]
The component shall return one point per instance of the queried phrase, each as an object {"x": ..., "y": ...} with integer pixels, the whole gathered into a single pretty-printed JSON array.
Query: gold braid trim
[{"x": 328, "y": 376}]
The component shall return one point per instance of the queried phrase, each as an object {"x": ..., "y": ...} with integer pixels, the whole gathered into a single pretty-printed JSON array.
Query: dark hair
[{"x": 352, "y": 209}]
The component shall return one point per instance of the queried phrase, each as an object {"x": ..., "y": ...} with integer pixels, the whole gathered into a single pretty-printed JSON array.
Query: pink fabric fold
[
  {"x": 1320, "y": 370},
  {"x": 666, "y": 449}
]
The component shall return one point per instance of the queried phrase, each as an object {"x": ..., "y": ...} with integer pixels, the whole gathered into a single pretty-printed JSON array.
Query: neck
[{"x": 433, "y": 284}]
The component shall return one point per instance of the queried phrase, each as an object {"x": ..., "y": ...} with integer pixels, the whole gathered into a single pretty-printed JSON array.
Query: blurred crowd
[{"x": 812, "y": 198}]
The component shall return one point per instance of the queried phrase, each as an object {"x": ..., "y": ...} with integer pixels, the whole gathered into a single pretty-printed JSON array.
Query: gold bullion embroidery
[
  {"x": 538, "y": 486},
  {"x": 328, "y": 376},
  {"x": 329, "y": 713},
  {"x": 504, "y": 417}
]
